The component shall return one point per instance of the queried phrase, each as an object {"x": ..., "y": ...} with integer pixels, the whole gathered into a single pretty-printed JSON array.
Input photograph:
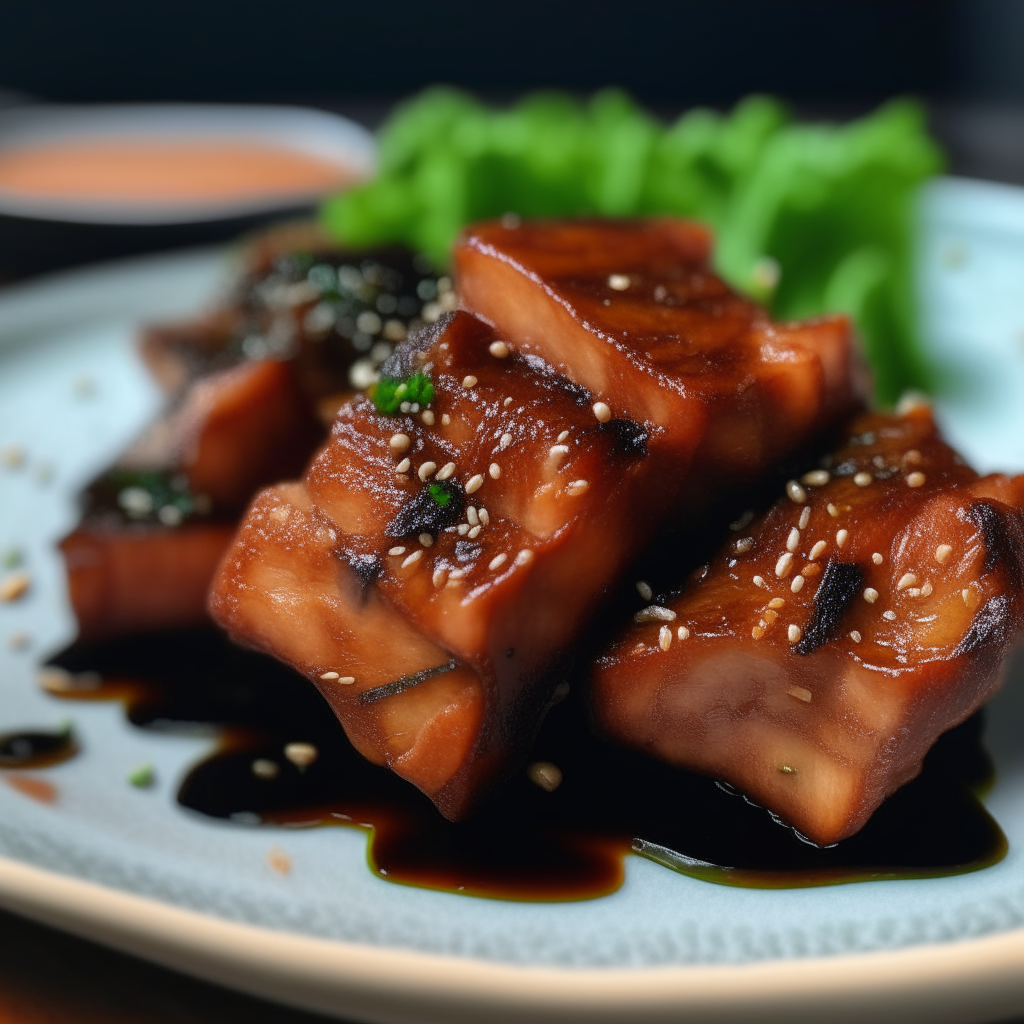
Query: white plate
[{"x": 130, "y": 868}]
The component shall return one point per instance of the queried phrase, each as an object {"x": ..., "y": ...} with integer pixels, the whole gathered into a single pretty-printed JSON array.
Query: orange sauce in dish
[{"x": 181, "y": 172}]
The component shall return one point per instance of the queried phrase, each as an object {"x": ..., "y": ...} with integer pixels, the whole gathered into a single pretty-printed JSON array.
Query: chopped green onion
[
  {"x": 440, "y": 494},
  {"x": 389, "y": 393},
  {"x": 142, "y": 776}
]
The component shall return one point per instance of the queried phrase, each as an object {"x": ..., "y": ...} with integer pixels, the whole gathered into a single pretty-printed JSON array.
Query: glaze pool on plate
[{"x": 72, "y": 393}]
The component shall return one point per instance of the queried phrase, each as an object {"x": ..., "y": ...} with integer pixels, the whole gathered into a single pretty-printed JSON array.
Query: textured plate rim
[{"x": 963, "y": 981}]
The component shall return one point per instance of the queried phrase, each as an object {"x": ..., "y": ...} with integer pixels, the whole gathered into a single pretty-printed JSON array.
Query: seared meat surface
[{"x": 817, "y": 658}]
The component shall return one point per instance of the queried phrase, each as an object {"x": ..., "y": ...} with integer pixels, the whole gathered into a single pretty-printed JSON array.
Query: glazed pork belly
[{"x": 816, "y": 659}]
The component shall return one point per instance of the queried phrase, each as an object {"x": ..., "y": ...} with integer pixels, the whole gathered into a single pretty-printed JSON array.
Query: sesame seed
[
  {"x": 643, "y": 588},
  {"x": 397, "y": 551},
  {"x": 783, "y": 565},
  {"x": 412, "y": 559},
  {"x": 758, "y": 581},
  {"x": 913, "y": 457},
  {"x": 664, "y": 638},
  {"x": 264, "y": 768},
  {"x": 426, "y": 540},
  {"x": 445, "y": 419},
  {"x": 743, "y": 545},
  {"x": 498, "y": 561},
  {"x": 793, "y": 540},
  {"x": 428, "y": 417},
  {"x": 926, "y": 590},
  {"x": 474, "y": 484},
  {"x": 841, "y": 537},
  {"x": 855, "y": 636},
  {"x": 890, "y": 615},
  {"x": 870, "y": 595},
  {"x": 498, "y": 349},
  {"x": 485, "y": 516},
  {"x": 474, "y": 532},
  {"x": 14, "y": 586},
  {"x": 915, "y": 479},
  {"x": 445, "y": 471},
  {"x": 776, "y": 602},
  {"x": 545, "y": 774},
  {"x": 816, "y": 478},
  {"x": 404, "y": 466},
  {"x": 494, "y": 471},
  {"x": 439, "y": 578},
  {"x": 683, "y": 633},
  {"x": 787, "y": 769},
  {"x": 525, "y": 557},
  {"x": 347, "y": 680},
  {"x": 426, "y": 470},
  {"x": 618, "y": 282},
  {"x": 744, "y": 520},
  {"x": 810, "y": 569},
  {"x": 970, "y": 596},
  {"x": 507, "y": 402},
  {"x": 794, "y": 633},
  {"x": 399, "y": 442},
  {"x": 833, "y": 511},
  {"x": 769, "y": 616},
  {"x": 862, "y": 479},
  {"x": 329, "y": 676},
  {"x": 914, "y": 592},
  {"x": 558, "y": 451},
  {"x": 654, "y": 613},
  {"x": 908, "y": 579},
  {"x": 469, "y": 381},
  {"x": 577, "y": 487},
  {"x": 817, "y": 550},
  {"x": 800, "y": 693},
  {"x": 302, "y": 755},
  {"x": 602, "y": 411},
  {"x": 506, "y": 440},
  {"x": 942, "y": 553},
  {"x": 471, "y": 516},
  {"x": 463, "y": 529},
  {"x": 797, "y": 585},
  {"x": 877, "y": 558},
  {"x": 795, "y": 492},
  {"x": 563, "y": 435},
  {"x": 757, "y": 632},
  {"x": 805, "y": 517}
]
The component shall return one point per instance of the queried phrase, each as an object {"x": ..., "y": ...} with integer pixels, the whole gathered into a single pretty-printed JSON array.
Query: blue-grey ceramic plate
[{"x": 131, "y": 868}]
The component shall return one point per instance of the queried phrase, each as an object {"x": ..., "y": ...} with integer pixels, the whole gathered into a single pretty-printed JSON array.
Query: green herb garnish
[
  {"x": 440, "y": 494},
  {"x": 389, "y": 393}
]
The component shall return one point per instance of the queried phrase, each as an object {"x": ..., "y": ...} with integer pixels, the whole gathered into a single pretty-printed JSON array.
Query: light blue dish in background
[{"x": 73, "y": 393}]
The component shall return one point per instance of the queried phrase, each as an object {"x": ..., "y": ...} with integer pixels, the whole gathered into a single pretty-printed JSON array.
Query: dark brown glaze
[
  {"x": 632, "y": 311},
  {"x": 526, "y": 844},
  {"x": 825, "y": 649},
  {"x": 36, "y": 748}
]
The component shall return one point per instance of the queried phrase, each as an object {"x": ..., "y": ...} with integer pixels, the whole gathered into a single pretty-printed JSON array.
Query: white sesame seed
[
  {"x": 506, "y": 440},
  {"x": 914, "y": 592},
  {"x": 793, "y": 540},
  {"x": 841, "y": 537},
  {"x": 817, "y": 550},
  {"x": 439, "y": 578},
  {"x": 347, "y": 680},
  {"x": 908, "y": 579},
  {"x": 474, "y": 484},
  {"x": 890, "y": 615},
  {"x": 463, "y": 529},
  {"x": 862, "y": 479},
  {"x": 525, "y": 557},
  {"x": 683, "y": 633},
  {"x": 797, "y": 585},
  {"x": 654, "y": 613},
  {"x": 426, "y": 470},
  {"x": 396, "y": 551},
  {"x": 545, "y": 774},
  {"x": 643, "y": 588},
  {"x": 794, "y": 633},
  {"x": 302, "y": 755},
  {"x": 776, "y": 602},
  {"x": 800, "y": 693},
  {"x": 329, "y": 676},
  {"x": 743, "y": 545},
  {"x": 14, "y": 586},
  {"x": 498, "y": 561},
  {"x": 757, "y": 632},
  {"x": 833, "y": 511},
  {"x": 577, "y": 487},
  {"x": 471, "y": 516},
  {"x": 664, "y": 638},
  {"x": 494, "y": 471},
  {"x": 795, "y": 492},
  {"x": 870, "y": 595},
  {"x": 428, "y": 417},
  {"x": 399, "y": 442},
  {"x": 484, "y": 515},
  {"x": 915, "y": 479},
  {"x": 563, "y": 435},
  {"x": 558, "y": 451},
  {"x": 602, "y": 411},
  {"x": 877, "y": 558},
  {"x": 783, "y": 565},
  {"x": 412, "y": 559},
  {"x": 618, "y": 282},
  {"x": 498, "y": 349},
  {"x": 913, "y": 457},
  {"x": 426, "y": 540},
  {"x": 816, "y": 478},
  {"x": 507, "y": 402},
  {"x": 758, "y": 581},
  {"x": 445, "y": 471},
  {"x": 855, "y": 636},
  {"x": 926, "y": 589},
  {"x": 805, "y": 517},
  {"x": 474, "y": 532},
  {"x": 404, "y": 466},
  {"x": 942, "y": 553},
  {"x": 469, "y": 381},
  {"x": 743, "y": 521},
  {"x": 445, "y": 419},
  {"x": 264, "y": 768}
]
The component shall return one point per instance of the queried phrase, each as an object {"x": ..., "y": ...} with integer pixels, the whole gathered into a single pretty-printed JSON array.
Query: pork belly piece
[
  {"x": 401, "y": 698},
  {"x": 816, "y": 659},
  {"x": 632, "y": 311}
]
